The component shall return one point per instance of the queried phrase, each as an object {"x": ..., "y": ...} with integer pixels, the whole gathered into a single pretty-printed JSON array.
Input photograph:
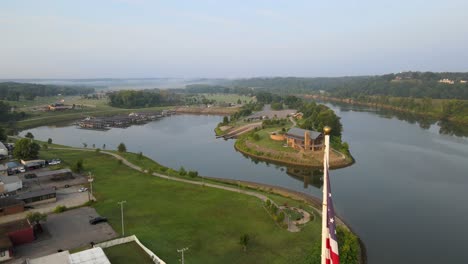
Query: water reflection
[
  {"x": 307, "y": 176},
  {"x": 446, "y": 127}
]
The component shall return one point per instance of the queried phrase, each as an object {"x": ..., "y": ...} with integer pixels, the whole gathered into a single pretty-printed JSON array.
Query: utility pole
[
  {"x": 121, "y": 212},
  {"x": 182, "y": 252},
  {"x": 90, "y": 180}
]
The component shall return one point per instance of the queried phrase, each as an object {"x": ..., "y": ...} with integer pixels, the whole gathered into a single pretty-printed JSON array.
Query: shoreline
[{"x": 351, "y": 101}]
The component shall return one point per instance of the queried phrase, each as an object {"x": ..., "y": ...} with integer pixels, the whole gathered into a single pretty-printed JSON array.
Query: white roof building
[
  {"x": 3, "y": 150},
  {"x": 11, "y": 183},
  {"x": 91, "y": 256}
]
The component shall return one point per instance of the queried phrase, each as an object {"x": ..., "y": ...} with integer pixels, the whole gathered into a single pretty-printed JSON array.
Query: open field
[
  {"x": 167, "y": 215},
  {"x": 127, "y": 253},
  {"x": 228, "y": 98}
]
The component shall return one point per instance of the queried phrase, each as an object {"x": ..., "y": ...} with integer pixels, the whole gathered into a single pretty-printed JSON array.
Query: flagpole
[{"x": 326, "y": 131}]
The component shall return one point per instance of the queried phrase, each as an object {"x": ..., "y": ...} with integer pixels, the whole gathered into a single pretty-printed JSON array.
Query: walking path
[{"x": 291, "y": 228}]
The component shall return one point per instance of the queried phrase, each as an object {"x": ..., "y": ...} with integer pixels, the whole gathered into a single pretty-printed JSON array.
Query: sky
[{"x": 230, "y": 39}]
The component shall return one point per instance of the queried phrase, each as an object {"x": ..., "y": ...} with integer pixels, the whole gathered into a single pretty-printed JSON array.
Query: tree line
[
  {"x": 405, "y": 84},
  {"x": 144, "y": 98},
  {"x": 13, "y": 91}
]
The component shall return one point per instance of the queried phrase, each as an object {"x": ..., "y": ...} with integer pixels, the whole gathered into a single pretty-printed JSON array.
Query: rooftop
[
  {"x": 51, "y": 173},
  {"x": 9, "y": 201},
  {"x": 5, "y": 242},
  {"x": 36, "y": 193},
  {"x": 14, "y": 226},
  {"x": 299, "y": 132},
  {"x": 10, "y": 179},
  {"x": 90, "y": 256}
]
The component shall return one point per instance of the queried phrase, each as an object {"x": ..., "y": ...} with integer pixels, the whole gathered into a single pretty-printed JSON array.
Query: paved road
[{"x": 67, "y": 230}]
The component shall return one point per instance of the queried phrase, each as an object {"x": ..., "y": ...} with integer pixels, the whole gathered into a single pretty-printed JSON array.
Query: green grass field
[
  {"x": 127, "y": 253},
  {"x": 228, "y": 98},
  {"x": 267, "y": 142},
  {"x": 167, "y": 215}
]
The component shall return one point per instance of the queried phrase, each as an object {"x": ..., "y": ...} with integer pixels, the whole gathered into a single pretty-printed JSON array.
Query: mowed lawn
[
  {"x": 167, "y": 215},
  {"x": 127, "y": 253}
]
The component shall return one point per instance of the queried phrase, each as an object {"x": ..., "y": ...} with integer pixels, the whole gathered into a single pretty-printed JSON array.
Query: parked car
[
  {"x": 83, "y": 189},
  {"x": 54, "y": 162},
  {"x": 97, "y": 220},
  {"x": 21, "y": 169}
]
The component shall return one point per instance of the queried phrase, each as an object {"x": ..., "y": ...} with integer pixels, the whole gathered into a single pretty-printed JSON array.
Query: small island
[{"x": 286, "y": 136}]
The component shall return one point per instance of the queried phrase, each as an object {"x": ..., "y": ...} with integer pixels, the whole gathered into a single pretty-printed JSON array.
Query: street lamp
[
  {"x": 181, "y": 251},
  {"x": 121, "y": 212}
]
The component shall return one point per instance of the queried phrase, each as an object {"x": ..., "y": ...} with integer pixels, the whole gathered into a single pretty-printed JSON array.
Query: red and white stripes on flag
[
  {"x": 329, "y": 240},
  {"x": 331, "y": 252}
]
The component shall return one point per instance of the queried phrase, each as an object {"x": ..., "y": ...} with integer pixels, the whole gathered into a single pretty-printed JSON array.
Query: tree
[
  {"x": 25, "y": 149},
  {"x": 122, "y": 147},
  {"x": 103, "y": 146},
  {"x": 49, "y": 141},
  {"x": 78, "y": 166},
  {"x": 3, "y": 135},
  {"x": 244, "y": 241},
  {"x": 239, "y": 101},
  {"x": 85, "y": 145},
  {"x": 140, "y": 155},
  {"x": 36, "y": 218},
  {"x": 29, "y": 135},
  {"x": 182, "y": 171},
  {"x": 225, "y": 120}
]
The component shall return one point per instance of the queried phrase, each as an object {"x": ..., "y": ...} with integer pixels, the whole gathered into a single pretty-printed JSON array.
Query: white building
[
  {"x": 10, "y": 184},
  {"x": 3, "y": 150},
  {"x": 91, "y": 256}
]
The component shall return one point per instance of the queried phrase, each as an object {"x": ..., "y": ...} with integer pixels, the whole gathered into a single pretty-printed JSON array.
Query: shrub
[
  {"x": 60, "y": 209},
  {"x": 163, "y": 169},
  {"x": 122, "y": 147},
  {"x": 98, "y": 150},
  {"x": 182, "y": 171},
  {"x": 49, "y": 141},
  {"x": 78, "y": 166},
  {"x": 193, "y": 174},
  {"x": 280, "y": 218}
]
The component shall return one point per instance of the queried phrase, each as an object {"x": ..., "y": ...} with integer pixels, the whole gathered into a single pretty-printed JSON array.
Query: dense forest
[
  {"x": 143, "y": 98},
  {"x": 405, "y": 84},
  {"x": 13, "y": 91}
]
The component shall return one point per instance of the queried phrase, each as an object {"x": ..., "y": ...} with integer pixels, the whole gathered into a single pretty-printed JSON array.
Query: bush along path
[{"x": 278, "y": 215}]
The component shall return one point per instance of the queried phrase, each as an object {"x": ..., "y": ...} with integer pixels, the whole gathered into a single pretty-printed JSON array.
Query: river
[{"x": 404, "y": 196}]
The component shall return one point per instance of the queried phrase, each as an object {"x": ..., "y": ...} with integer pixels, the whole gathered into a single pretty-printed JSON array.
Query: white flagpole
[{"x": 326, "y": 131}]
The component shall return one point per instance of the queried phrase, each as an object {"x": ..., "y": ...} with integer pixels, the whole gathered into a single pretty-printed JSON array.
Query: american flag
[{"x": 331, "y": 251}]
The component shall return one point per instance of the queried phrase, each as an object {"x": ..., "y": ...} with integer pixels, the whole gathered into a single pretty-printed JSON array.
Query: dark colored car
[{"x": 97, "y": 220}]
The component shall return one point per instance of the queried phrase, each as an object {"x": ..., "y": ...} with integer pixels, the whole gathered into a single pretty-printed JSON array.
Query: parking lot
[{"x": 67, "y": 230}]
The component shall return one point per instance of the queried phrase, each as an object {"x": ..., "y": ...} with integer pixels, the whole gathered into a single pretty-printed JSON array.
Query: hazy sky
[{"x": 214, "y": 38}]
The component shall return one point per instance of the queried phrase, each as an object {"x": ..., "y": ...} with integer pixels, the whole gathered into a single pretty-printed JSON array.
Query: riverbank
[
  {"x": 112, "y": 178},
  {"x": 437, "y": 115}
]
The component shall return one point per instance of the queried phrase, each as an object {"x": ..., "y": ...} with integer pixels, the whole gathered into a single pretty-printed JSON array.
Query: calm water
[{"x": 405, "y": 196}]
